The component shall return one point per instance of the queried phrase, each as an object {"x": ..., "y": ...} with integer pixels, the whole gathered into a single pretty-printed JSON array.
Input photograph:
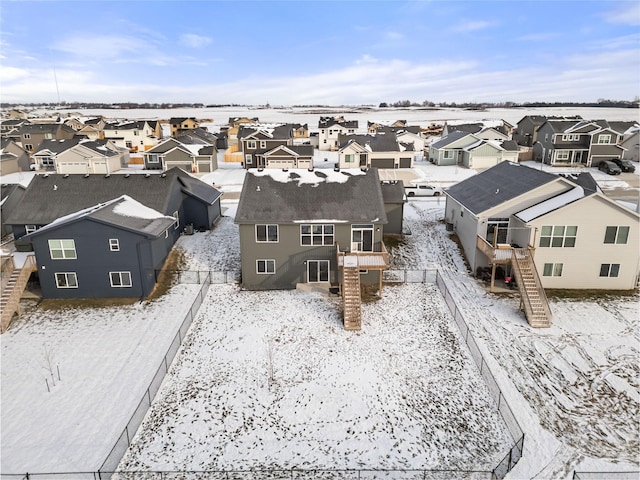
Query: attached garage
[
  {"x": 73, "y": 167},
  {"x": 382, "y": 163},
  {"x": 405, "y": 162},
  {"x": 100, "y": 167}
]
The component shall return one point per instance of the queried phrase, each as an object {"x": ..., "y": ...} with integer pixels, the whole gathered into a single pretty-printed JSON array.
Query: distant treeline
[{"x": 635, "y": 103}]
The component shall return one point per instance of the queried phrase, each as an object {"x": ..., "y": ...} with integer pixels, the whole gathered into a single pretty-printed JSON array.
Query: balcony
[
  {"x": 377, "y": 260},
  {"x": 500, "y": 254}
]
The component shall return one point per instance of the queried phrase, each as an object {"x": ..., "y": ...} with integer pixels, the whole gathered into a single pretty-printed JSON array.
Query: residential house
[
  {"x": 32, "y": 134},
  {"x": 13, "y": 158},
  {"x": 449, "y": 128},
  {"x": 583, "y": 143},
  {"x": 471, "y": 151},
  {"x": 576, "y": 236},
  {"x": 300, "y": 133},
  {"x": 628, "y": 139},
  {"x": 105, "y": 235},
  {"x": 44, "y": 158},
  {"x": 394, "y": 199},
  {"x": 256, "y": 140},
  {"x": 180, "y": 125},
  {"x": 374, "y": 127},
  {"x": 526, "y": 132},
  {"x": 234, "y": 125},
  {"x": 91, "y": 156},
  {"x": 10, "y": 128},
  {"x": 295, "y": 227},
  {"x": 289, "y": 156},
  {"x": 330, "y": 129},
  {"x": 374, "y": 151},
  {"x": 501, "y": 131},
  {"x": 189, "y": 153},
  {"x": 136, "y": 136},
  {"x": 112, "y": 249},
  {"x": 11, "y": 196}
]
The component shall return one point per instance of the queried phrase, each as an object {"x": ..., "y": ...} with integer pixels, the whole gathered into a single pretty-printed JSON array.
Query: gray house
[
  {"x": 256, "y": 141},
  {"x": 109, "y": 250},
  {"x": 172, "y": 193},
  {"x": 394, "y": 200},
  {"x": 295, "y": 226},
  {"x": 188, "y": 152},
  {"x": 582, "y": 143},
  {"x": 32, "y": 134}
]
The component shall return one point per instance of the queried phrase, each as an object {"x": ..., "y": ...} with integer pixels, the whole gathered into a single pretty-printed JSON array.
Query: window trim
[
  {"x": 62, "y": 249},
  {"x": 114, "y": 245},
  {"x": 323, "y": 235},
  {"x": 605, "y": 137},
  {"x": 616, "y": 234},
  {"x": 30, "y": 229},
  {"x": 266, "y": 263},
  {"x": 252, "y": 145},
  {"x": 263, "y": 144},
  {"x": 552, "y": 236},
  {"x": 67, "y": 275},
  {"x": 552, "y": 269},
  {"x": 120, "y": 276},
  {"x": 176, "y": 215},
  {"x": 266, "y": 236},
  {"x": 610, "y": 268}
]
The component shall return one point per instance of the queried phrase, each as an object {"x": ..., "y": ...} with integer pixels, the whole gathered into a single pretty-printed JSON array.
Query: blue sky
[{"x": 319, "y": 52}]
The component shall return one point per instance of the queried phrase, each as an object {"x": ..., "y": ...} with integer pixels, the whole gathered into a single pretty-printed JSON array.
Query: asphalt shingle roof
[
  {"x": 497, "y": 185},
  {"x": 275, "y": 196}
]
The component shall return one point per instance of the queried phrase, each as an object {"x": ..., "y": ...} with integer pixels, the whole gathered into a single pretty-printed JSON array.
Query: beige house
[
  {"x": 91, "y": 157},
  {"x": 576, "y": 236}
]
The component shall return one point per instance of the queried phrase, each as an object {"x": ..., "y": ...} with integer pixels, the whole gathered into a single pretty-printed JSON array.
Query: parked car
[
  {"x": 609, "y": 167},
  {"x": 423, "y": 190},
  {"x": 625, "y": 165}
]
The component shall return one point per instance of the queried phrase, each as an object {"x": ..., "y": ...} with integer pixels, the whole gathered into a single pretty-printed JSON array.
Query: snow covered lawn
[
  {"x": 105, "y": 356},
  {"x": 271, "y": 379}
]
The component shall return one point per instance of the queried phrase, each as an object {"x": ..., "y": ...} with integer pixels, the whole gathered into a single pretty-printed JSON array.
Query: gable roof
[
  {"x": 56, "y": 146},
  {"x": 122, "y": 212},
  {"x": 373, "y": 143},
  {"x": 496, "y": 185},
  {"x": 326, "y": 122},
  {"x": 300, "y": 195},
  {"x": 293, "y": 150},
  {"x": 584, "y": 180},
  {"x": 465, "y": 127},
  {"x": 452, "y": 137},
  {"x": 50, "y": 197}
]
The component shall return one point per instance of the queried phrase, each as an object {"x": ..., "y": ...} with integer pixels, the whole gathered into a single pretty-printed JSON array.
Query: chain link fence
[
  {"x": 515, "y": 453},
  {"x": 196, "y": 277}
]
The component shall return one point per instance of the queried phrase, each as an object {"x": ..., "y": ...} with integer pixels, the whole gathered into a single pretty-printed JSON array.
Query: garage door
[
  {"x": 382, "y": 162},
  {"x": 405, "y": 163},
  {"x": 100, "y": 167},
  {"x": 204, "y": 167},
  {"x": 72, "y": 167}
]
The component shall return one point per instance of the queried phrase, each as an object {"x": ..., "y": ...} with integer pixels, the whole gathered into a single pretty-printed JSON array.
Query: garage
[
  {"x": 405, "y": 162},
  {"x": 72, "y": 167},
  {"x": 100, "y": 167},
  {"x": 382, "y": 163}
]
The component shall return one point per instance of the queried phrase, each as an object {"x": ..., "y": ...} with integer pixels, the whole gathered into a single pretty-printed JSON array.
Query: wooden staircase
[
  {"x": 533, "y": 299},
  {"x": 351, "y": 301},
  {"x": 12, "y": 291}
]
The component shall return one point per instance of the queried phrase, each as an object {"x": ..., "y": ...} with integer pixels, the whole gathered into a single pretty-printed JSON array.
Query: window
[
  {"x": 562, "y": 155},
  {"x": 609, "y": 269},
  {"x": 616, "y": 235},
  {"x": 558, "y": 236},
  {"x": 570, "y": 138},
  {"x": 251, "y": 144},
  {"x": 316, "y": 234},
  {"x": 552, "y": 270},
  {"x": 263, "y": 144},
  {"x": 62, "y": 249},
  {"x": 604, "y": 139},
  {"x": 448, "y": 154},
  {"x": 153, "y": 158},
  {"x": 266, "y": 233},
  {"x": 136, "y": 133},
  {"x": 176, "y": 215},
  {"x": 120, "y": 279},
  {"x": 248, "y": 158},
  {"x": 114, "y": 245},
  {"x": 265, "y": 267},
  {"x": 30, "y": 229},
  {"x": 28, "y": 147},
  {"x": 66, "y": 280},
  {"x": 47, "y": 161},
  {"x": 349, "y": 158},
  {"x": 128, "y": 144},
  {"x": 546, "y": 137},
  {"x": 27, "y": 136},
  {"x": 48, "y": 136}
]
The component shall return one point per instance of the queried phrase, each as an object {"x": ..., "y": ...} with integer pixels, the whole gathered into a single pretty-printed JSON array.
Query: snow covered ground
[{"x": 268, "y": 360}]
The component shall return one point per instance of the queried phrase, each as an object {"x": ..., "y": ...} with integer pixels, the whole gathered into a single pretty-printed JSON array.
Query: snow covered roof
[
  {"x": 290, "y": 196},
  {"x": 551, "y": 204}
]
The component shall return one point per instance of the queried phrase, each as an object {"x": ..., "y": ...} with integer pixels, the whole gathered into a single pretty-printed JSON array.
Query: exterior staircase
[
  {"x": 533, "y": 298},
  {"x": 351, "y": 301},
  {"x": 13, "y": 285}
]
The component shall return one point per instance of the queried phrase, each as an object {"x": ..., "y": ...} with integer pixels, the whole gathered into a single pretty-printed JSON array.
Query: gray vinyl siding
[
  {"x": 291, "y": 257},
  {"x": 199, "y": 214},
  {"x": 394, "y": 213},
  {"x": 137, "y": 255}
]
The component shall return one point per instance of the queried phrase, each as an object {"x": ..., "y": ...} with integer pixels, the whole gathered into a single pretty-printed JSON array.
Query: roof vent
[
  {"x": 163, "y": 175},
  {"x": 127, "y": 175},
  {"x": 107, "y": 175},
  {"x": 46, "y": 175},
  {"x": 66, "y": 175},
  {"x": 258, "y": 188},
  {"x": 336, "y": 168},
  {"x": 260, "y": 169},
  {"x": 285, "y": 169},
  {"x": 147, "y": 175},
  {"x": 86, "y": 175},
  {"x": 310, "y": 169}
]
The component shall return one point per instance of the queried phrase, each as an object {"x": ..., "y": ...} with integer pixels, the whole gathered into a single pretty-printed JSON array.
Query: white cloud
[
  {"x": 194, "y": 41},
  {"x": 627, "y": 14},
  {"x": 472, "y": 26}
]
